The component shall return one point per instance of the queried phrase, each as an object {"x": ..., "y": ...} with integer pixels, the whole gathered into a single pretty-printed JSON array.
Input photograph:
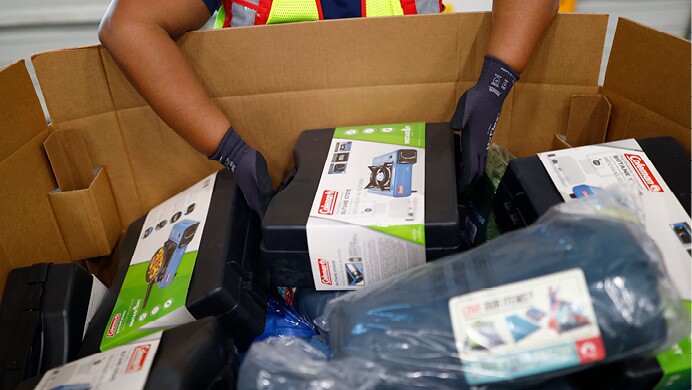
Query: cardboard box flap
[
  {"x": 69, "y": 159},
  {"x": 570, "y": 52},
  {"x": 73, "y": 83},
  {"x": 84, "y": 205},
  {"x": 648, "y": 83},
  {"x": 88, "y": 218},
  {"x": 21, "y": 115},
  {"x": 588, "y": 120}
]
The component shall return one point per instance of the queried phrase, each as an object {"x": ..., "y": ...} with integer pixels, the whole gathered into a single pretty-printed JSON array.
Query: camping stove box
[
  {"x": 226, "y": 279},
  {"x": 45, "y": 310},
  {"x": 197, "y": 355},
  {"x": 388, "y": 186},
  {"x": 526, "y": 191}
]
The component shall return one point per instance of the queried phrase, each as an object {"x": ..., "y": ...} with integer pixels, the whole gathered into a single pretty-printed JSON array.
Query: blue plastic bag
[{"x": 283, "y": 321}]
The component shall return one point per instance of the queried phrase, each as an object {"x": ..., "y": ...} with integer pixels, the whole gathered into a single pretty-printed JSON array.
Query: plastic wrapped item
[
  {"x": 284, "y": 321},
  {"x": 311, "y": 303},
  {"x": 498, "y": 160},
  {"x": 582, "y": 286},
  {"x": 292, "y": 363}
]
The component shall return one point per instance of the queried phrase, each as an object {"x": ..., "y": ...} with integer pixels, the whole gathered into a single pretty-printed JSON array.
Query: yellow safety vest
[{"x": 239, "y": 13}]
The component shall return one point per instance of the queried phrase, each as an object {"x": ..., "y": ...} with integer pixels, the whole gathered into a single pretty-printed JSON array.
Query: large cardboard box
[{"x": 69, "y": 188}]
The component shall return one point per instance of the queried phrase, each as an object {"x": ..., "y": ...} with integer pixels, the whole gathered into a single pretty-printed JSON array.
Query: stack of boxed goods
[{"x": 582, "y": 292}]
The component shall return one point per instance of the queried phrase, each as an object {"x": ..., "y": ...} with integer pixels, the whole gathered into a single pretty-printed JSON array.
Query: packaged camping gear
[
  {"x": 193, "y": 256},
  {"x": 527, "y": 191},
  {"x": 197, "y": 355},
  {"x": 366, "y": 202},
  {"x": 44, "y": 312},
  {"x": 655, "y": 165}
]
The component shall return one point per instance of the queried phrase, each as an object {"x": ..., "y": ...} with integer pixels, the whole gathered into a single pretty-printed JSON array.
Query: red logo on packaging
[
  {"x": 328, "y": 203},
  {"x": 113, "y": 326},
  {"x": 590, "y": 350},
  {"x": 137, "y": 359},
  {"x": 325, "y": 275},
  {"x": 643, "y": 172},
  {"x": 400, "y": 189},
  {"x": 168, "y": 277}
]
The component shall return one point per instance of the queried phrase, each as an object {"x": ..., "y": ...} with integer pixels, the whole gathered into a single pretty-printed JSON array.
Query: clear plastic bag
[
  {"x": 498, "y": 160},
  {"x": 590, "y": 263},
  {"x": 292, "y": 363}
]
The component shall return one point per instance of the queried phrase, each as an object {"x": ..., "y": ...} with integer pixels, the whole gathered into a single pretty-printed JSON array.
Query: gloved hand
[
  {"x": 476, "y": 116},
  {"x": 250, "y": 170}
]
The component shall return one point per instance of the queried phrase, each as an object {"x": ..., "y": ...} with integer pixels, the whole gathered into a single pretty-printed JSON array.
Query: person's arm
[
  {"x": 518, "y": 27},
  {"x": 139, "y": 35}
]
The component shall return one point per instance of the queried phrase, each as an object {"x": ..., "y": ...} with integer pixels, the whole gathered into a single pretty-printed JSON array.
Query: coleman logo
[
  {"x": 325, "y": 275},
  {"x": 643, "y": 172},
  {"x": 168, "y": 277},
  {"x": 400, "y": 189},
  {"x": 139, "y": 354},
  {"x": 328, "y": 203},
  {"x": 113, "y": 326}
]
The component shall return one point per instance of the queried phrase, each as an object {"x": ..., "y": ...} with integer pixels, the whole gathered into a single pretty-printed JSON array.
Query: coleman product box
[
  {"x": 366, "y": 202},
  {"x": 655, "y": 167},
  {"x": 197, "y": 355},
  {"x": 44, "y": 313},
  {"x": 195, "y": 255}
]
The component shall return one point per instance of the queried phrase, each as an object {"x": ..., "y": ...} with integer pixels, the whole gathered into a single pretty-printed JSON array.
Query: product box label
[
  {"x": 154, "y": 291},
  {"x": 526, "y": 328},
  {"x": 367, "y": 220},
  {"x": 583, "y": 171},
  {"x": 125, "y": 367}
]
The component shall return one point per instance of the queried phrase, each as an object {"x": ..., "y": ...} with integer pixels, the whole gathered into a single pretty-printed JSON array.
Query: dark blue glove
[
  {"x": 476, "y": 116},
  {"x": 250, "y": 170}
]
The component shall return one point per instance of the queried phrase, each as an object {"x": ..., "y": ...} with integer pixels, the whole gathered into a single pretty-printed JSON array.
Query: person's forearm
[
  {"x": 145, "y": 51},
  {"x": 518, "y": 27}
]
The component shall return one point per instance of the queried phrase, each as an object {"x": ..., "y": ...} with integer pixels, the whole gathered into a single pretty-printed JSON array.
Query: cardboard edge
[
  {"x": 74, "y": 48},
  {"x": 88, "y": 218},
  {"x": 69, "y": 159},
  {"x": 588, "y": 120}
]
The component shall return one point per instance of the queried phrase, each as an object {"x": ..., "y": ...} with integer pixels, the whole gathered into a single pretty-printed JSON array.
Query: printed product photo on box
[
  {"x": 194, "y": 255},
  {"x": 366, "y": 203}
]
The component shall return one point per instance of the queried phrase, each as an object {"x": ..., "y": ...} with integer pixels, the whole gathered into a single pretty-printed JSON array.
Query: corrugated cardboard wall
[
  {"x": 341, "y": 73},
  {"x": 28, "y": 229},
  {"x": 275, "y": 81},
  {"x": 661, "y": 62}
]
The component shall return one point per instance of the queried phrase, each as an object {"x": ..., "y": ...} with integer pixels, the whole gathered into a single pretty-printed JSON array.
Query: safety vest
[{"x": 239, "y": 13}]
